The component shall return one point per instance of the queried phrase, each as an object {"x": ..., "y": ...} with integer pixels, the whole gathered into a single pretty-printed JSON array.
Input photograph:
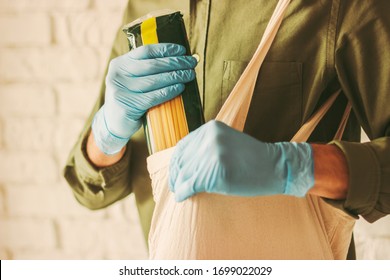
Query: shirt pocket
[{"x": 275, "y": 113}]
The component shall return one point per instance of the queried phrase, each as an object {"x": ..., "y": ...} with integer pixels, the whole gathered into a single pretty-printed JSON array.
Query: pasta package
[{"x": 169, "y": 122}]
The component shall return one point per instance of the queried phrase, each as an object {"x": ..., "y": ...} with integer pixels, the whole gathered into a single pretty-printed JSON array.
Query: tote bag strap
[
  {"x": 306, "y": 130},
  {"x": 236, "y": 107}
]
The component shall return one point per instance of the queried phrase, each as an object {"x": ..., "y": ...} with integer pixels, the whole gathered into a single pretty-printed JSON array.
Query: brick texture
[
  {"x": 25, "y": 6},
  {"x": 21, "y": 167},
  {"x": 85, "y": 29},
  {"x": 52, "y": 59},
  {"x": 16, "y": 97},
  {"x": 28, "y": 133},
  {"x": 20, "y": 30},
  {"x": 27, "y": 233},
  {"x": 48, "y": 65},
  {"x": 1, "y": 135}
]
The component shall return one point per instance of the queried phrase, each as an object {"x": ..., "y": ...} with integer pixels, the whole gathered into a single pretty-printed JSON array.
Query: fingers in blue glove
[
  {"x": 143, "y": 61},
  {"x": 142, "y": 101},
  {"x": 218, "y": 159},
  {"x": 151, "y": 82},
  {"x": 189, "y": 160}
]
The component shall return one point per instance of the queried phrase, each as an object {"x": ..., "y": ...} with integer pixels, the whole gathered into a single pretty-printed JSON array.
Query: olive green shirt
[{"x": 322, "y": 45}]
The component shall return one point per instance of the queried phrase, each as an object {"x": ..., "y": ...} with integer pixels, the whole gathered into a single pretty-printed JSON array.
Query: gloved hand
[
  {"x": 135, "y": 82},
  {"x": 218, "y": 159}
]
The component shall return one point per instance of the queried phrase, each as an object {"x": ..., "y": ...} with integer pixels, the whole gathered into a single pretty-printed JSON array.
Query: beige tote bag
[{"x": 211, "y": 226}]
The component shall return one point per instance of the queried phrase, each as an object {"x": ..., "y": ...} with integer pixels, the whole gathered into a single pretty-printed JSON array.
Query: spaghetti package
[{"x": 169, "y": 122}]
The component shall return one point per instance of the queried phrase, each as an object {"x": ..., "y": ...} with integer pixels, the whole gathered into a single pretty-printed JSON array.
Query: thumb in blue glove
[
  {"x": 135, "y": 82},
  {"x": 218, "y": 159}
]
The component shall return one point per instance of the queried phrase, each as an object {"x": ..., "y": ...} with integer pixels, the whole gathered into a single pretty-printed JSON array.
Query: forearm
[
  {"x": 97, "y": 157},
  {"x": 93, "y": 187},
  {"x": 331, "y": 176}
]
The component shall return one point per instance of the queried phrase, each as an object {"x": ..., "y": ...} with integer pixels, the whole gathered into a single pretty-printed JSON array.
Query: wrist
[
  {"x": 330, "y": 172},
  {"x": 97, "y": 157},
  {"x": 298, "y": 167},
  {"x": 108, "y": 143}
]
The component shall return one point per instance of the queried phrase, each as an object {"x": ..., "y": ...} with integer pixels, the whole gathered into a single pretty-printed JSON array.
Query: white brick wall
[
  {"x": 15, "y": 96},
  {"x": 51, "y": 67},
  {"x": 25, "y": 29}
]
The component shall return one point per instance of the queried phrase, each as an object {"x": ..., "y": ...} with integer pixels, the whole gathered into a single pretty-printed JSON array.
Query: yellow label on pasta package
[{"x": 149, "y": 31}]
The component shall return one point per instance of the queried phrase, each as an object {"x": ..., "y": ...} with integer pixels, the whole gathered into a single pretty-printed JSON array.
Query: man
[{"x": 321, "y": 46}]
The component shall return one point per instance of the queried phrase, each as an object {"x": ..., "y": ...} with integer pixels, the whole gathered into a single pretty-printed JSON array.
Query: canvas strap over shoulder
[{"x": 235, "y": 109}]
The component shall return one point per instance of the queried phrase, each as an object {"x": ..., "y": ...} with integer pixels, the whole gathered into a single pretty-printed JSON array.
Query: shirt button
[{"x": 196, "y": 56}]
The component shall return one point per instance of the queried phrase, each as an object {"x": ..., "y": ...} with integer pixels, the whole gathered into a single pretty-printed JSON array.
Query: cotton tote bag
[{"x": 212, "y": 226}]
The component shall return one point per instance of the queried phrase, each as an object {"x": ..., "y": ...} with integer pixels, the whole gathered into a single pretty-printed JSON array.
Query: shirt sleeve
[
  {"x": 362, "y": 63},
  {"x": 97, "y": 188}
]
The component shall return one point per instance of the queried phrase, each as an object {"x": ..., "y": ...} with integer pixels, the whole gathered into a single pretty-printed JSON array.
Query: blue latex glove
[
  {"x": 218, "y": 159},
  {"x": 135, "y": 82}
]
